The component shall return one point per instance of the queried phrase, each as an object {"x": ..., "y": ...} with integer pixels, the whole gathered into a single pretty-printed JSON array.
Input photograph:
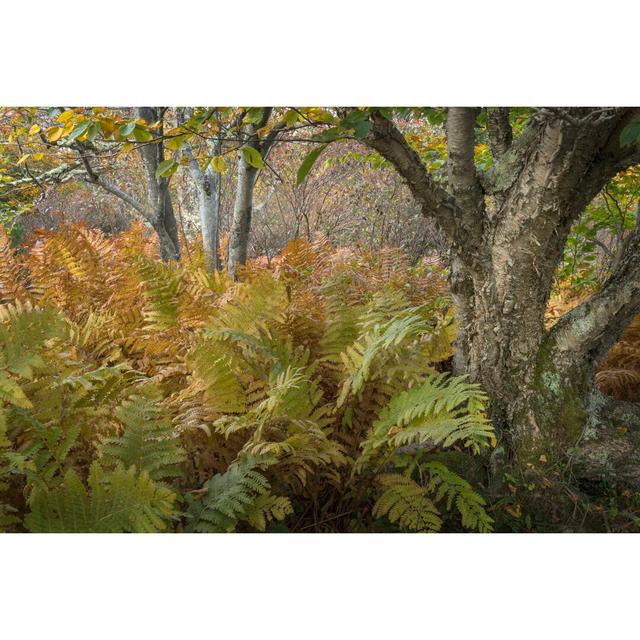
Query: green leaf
[
  {"x": 291, "y": 117},
  {"x": 252, "y": 156},
  {"x": 329, "y": 135},
  {"x": 307, "y": 163},
  {"x": 630, "y": 134},
  {"x": 254, "y": 115},
  {"x": 127, "y": 129},
  {"x": 362, "y": 128},
  {"x": 166, "y": 168},
  {"x": 79, "y": 130},
  {"x": 94, "y": 130},
  {"x": 142, "y": 135},
  {"x": 385, "y": 112}
]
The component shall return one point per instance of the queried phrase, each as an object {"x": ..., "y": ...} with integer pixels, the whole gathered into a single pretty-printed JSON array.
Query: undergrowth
[{"x": 311, "y": 395}]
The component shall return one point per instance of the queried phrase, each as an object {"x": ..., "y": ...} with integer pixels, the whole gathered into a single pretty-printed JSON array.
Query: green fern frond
[
  {"x": 241, "y": 494},
  {"x": 162, "y": 282},
  {"x": 120, "y": 501},
  {"x": 24, "y": 332},
  {"x": 378, "y": 344},
  {"x": 148, "y": 440},
  {"x": 443, "y": 410},
  {"x": 406, "y": 503},
  {"x": 458, "y": 492},
  {"x": 214, "y": 374}
]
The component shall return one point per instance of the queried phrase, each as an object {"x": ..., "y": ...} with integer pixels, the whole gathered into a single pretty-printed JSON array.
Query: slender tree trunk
[
  {"x": 162, "y": 217},
  {"x": 242, "y": 210},
  {"x": 207, "y": 184},
  {"x": 243, "y": 206}
]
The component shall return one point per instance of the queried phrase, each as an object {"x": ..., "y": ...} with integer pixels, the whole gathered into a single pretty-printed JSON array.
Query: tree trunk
[
  {"x": 507, "y": 230},
  {"x": 247, "y": 175},
  {"x": 207, "y": 184},
  {"x": 162, "y": 217},
  {"x": 242, "y": 210}
]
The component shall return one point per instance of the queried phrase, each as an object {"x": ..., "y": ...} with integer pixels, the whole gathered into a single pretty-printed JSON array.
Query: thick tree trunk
[{"x": 507, "y": 231}]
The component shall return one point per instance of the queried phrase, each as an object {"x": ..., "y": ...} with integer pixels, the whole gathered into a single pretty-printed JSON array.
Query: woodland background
[{"x": 239, "y": 319}]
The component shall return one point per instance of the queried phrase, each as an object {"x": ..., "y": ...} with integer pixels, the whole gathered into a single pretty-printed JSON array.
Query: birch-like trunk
[
  {"x": 507, "y": 229},
  {"x": 243, "y": 205}
]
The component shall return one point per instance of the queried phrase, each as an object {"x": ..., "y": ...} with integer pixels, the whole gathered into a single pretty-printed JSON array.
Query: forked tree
[{"x": 507, "y": 228}]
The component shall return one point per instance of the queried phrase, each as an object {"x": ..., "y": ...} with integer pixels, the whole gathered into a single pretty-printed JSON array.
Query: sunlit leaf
[
  {"x": 252, "y": 156},
  {"x": 166, "y": 168},
  {"x": 308, "y": 162}
]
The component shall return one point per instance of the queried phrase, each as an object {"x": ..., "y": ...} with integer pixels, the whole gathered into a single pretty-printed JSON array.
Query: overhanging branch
[
  {"x": 589, "y": 330},
  {"x": 435, "y": 202}
]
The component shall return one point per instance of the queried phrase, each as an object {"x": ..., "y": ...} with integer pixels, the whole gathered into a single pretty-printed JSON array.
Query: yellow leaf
[
  {"x": 34, "y": 129},
  {"x": 38, "y": 156},
  {"x": 108, "y": 127},
  {"x": 66, "y": 115},
  {"x": 218, "y": 164},
  {"x": 514, "y": 509},
  {"x": 23, "y": 158},
  {"x": 263, "y": 132},
  {"x": 54, "y": 134}
]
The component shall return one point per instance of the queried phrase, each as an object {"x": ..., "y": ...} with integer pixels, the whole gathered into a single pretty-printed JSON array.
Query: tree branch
[
  {"x": 97, "y": 179},
  {"x": 463, "y": 182},
  {"x": 588, "y": 331},
  {"x": 500, "y": 132},
  {"x": 435, "y": 202}
]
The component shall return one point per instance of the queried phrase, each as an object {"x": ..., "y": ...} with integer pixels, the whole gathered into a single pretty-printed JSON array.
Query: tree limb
[
  {"x": 435, "y": 202},
  {"x": 500, "y": 132},
  {"x": 461, "y": 170},
  {"x": 97, "y": 179},
  {"x": 589, "y": 330}
]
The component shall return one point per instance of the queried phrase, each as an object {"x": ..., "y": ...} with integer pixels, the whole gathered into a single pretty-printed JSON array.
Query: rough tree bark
[
  {"x": 243, "y": 205},
  {"x": 507, "y": 229}
]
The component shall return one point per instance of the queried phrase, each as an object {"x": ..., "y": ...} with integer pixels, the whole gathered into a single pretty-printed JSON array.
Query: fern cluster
[{"x": 141, "y": 396}]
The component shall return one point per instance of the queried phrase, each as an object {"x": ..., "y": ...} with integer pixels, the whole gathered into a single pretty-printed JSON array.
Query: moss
[{"x": 557, "y": 404}]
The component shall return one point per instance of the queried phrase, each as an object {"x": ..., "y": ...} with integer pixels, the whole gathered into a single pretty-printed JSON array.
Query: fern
[
  {"x": 406, "y": 503},
  {"x": 241, "y": 494},
  {"x": 443, "y": 410},
  {"x": 309, "y": 367},
  {"x": 120, "y": 501},
  {"x": 449, "y": 486},
  {"x": 148, "y": 441},
  {"x": 7, "y": 517},
  {"x": 24, "y": 332}
]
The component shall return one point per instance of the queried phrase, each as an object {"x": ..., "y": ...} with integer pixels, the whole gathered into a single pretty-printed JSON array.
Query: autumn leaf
[
  {"x": 252, "y": 156},
  {"x": 218, "y": 164}
]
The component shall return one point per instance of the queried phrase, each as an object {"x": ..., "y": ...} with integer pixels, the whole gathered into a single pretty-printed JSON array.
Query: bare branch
[
  {"x": 589, "y": 330},
  {"x": 389, "y": 142},
  {"x": 97, "y": 179},
  {"x": 500, "y": 132}
]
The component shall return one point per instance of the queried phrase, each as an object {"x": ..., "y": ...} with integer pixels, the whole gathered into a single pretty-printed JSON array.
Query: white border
[
  {"x": 333, "y": 52},
  {"x": 123, "y": 52},
  {"x": 319, "y": 586}
]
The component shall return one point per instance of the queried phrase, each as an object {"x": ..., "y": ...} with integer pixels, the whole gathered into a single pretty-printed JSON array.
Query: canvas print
[{"x": 319, "y": 319}]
